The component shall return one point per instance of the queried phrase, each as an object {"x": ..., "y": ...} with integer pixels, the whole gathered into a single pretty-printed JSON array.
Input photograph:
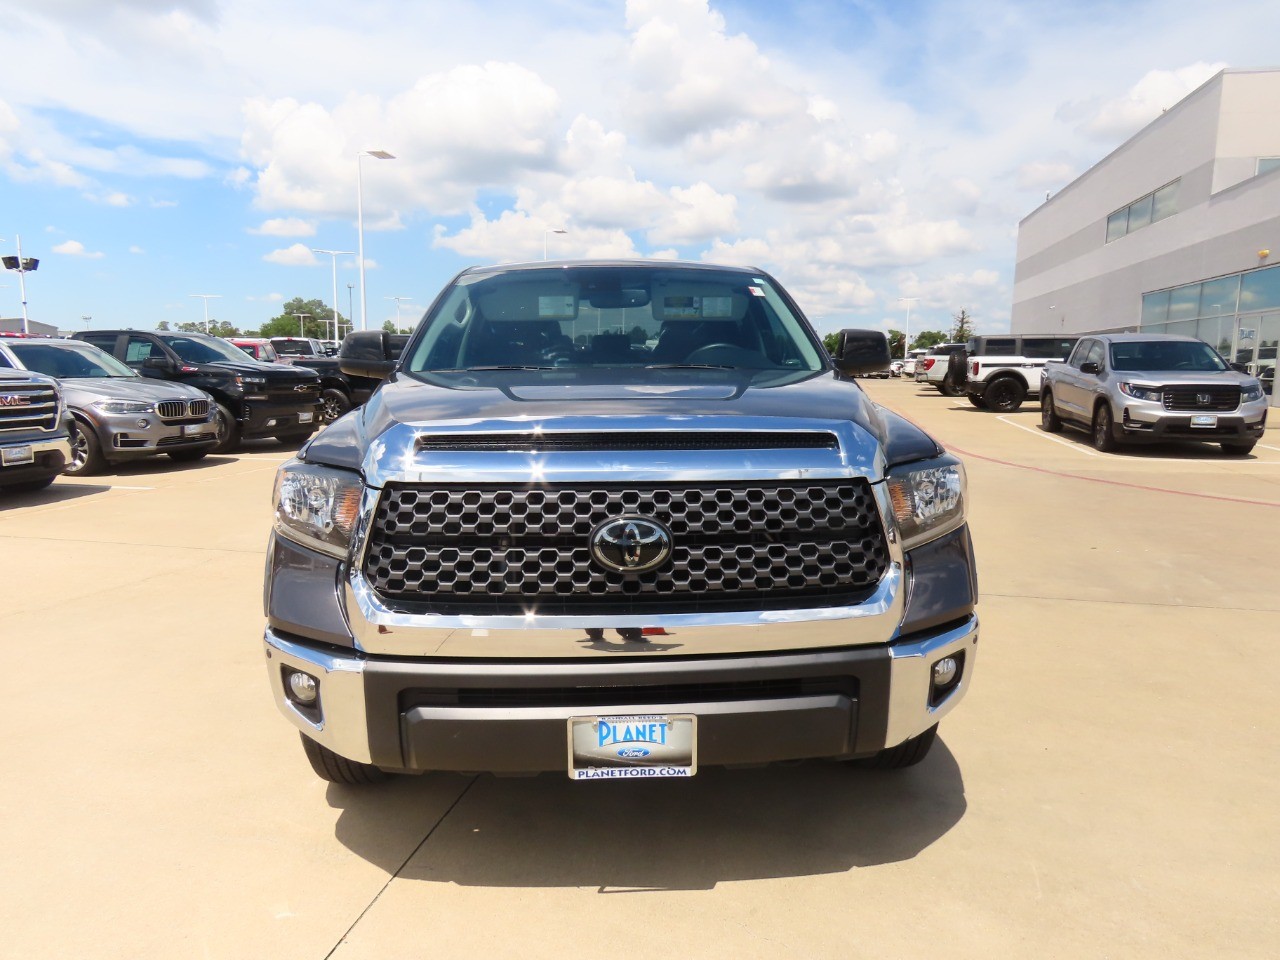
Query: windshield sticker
[
  {"x": 755, "y": 291},
  {"x": 559, "y": 307}
]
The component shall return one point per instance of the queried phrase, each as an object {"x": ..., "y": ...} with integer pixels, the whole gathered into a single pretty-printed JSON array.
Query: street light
[
  {"x": 545, "y": 234},
  {"x": 86, "y": 318},
  {"x": 397, "y": 300},
  {"x": 377, "y": 155},
  {"x": 906, "y": 333},
  {"x": 301, "y": 323},
  {"x": 206, "y": 297},
  {"x": 23, "y": 265},
  {"x": 335, "y": 254}
]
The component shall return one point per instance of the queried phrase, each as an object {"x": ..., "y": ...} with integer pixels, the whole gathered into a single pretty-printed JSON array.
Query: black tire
[
  {"x": 228, "y": 431},
  {"x": 1242, "y": 449},
  {"x": 1005, "y": 394},
  {"x": 1104, "y": 437},
  {"x": 86, "y": 451},
  {"x": 1049, "y": 421},
  {"x": 333, "y": 404},
  {"x": 906, "y": 754},
  {"x": 977, "y": 401},
  {"x": 188, "y": 456},
  {"x": 949, "y": 389},
  {"x": 338, "y": 769}
]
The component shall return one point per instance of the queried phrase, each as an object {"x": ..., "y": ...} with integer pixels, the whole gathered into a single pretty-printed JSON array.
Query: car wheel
[
  {"x": 977, "y": 401},
  {"x": 333, "y": 404},
  {"x": 187, "y": 456},
  {"x": 227, "y": 431},
  {"x": 86, "y": 451},
  {"x": 338, "y": 769},
  {"x": 1104, "y": 438},
  {"x": 1005, "y": 394},
  {"x": 1049, "y": 421},
  {"x": 905, "y": 754},
  {"x": 1239, "y": 449}
]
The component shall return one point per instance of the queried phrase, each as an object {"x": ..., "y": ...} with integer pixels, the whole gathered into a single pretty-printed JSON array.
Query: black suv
[{"x": 254, "y": 399}]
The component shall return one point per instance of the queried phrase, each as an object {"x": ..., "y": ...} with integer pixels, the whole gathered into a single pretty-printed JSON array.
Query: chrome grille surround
[
  {"x": 35, "y": 406},
  {"x": 1186, "y": 397}
]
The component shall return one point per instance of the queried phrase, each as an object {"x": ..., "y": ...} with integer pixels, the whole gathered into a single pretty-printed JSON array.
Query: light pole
[
  {"x": 377, "y": 155},
  {"x": 906, "y": 333},
  {"x": 545, "y": 234},
  {"x": 206, "y": 297},
  {"x": 86, "y": 318},
  {"x": 351, "y": 316},
  {"x": 301, "y": 323},
  {"x": 335, "y": 254},
  {"x": 397, "y": 300},
  {"x": 23, "y": 266}
]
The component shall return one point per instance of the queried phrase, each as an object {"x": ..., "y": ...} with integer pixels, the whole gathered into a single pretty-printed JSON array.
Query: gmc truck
[
  {"x": 35, "y": 444},
  {"x": 618, "y": 520},
  {"x": 1139, "y": 388}
]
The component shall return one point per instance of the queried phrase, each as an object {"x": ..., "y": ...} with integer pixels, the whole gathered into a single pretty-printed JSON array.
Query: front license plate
[
  {"x": 1204, "y": 421},
  {"x": 191, "y": 429},
  {"x": 14, "y": 456},
  {"x": 305, "y": 417},
  {"x": 622, "y": 748}
]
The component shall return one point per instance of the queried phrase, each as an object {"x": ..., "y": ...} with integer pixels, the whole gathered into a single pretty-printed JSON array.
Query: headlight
[
  {"x": 251, "y": 382},
  {"x": 317, "y": 506},
  {"x": 122, "y": 406},
  {"x": 928, "y": 500},
  {"x": 1151, "y": 394},
  {"x": 1251, "y": 392}
]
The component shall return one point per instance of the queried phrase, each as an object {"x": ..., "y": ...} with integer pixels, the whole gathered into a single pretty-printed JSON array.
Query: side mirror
[
  {"x": 861, "y": 351},
  {"x": 1090, "y": 366},
  {"x": 158, "y": 363},
  {"x": 367, "y": 353}
]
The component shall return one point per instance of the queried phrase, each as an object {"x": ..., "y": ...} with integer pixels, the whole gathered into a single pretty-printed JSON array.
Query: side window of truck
[
  {"x": 1047, "y": 349},
  {"x": 103, "y": 341},
  {"x": 1078, "y": 354},
  {"x": 138, "y": 349},
  {"x": 1095, "y": 354}
]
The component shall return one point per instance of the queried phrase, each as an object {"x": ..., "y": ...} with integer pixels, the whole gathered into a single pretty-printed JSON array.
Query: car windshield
[
  {"x": 583, "y": 318},
  {"x": 67, "y": 361},
  {"x": 198, "y": 349},
  {"x": 1149, "y": 356}
]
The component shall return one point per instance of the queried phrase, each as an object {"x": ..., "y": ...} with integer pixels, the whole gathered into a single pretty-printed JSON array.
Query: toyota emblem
[{"x": 630, "y": 544}]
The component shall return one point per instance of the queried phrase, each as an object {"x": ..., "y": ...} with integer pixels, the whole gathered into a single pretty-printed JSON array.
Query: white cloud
[
  {"x": 698, "y": 213},
  {"x": 1045, "y": 175},
  {"x": 162, "y": 204},
  {"x": 298, "y": 255},
  {"x": 74, "y": 248},
  {"x": 267, "y": 298},
  {"x": 136, "y": 250},
  {"x": 1118, "y": 118},
  {"x": 285, "y": 227}
]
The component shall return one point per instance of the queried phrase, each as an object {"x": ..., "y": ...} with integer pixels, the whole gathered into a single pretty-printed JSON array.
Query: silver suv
[{"x": 1127, "y": 388}]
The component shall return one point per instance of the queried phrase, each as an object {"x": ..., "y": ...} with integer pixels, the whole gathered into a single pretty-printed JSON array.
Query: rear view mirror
[{"x": 861, "y": 351}]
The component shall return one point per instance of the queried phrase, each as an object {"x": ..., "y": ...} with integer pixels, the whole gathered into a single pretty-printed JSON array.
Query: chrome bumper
[
  {"x": 60, "y": 445},
  {"x": 359, "y": 718}
]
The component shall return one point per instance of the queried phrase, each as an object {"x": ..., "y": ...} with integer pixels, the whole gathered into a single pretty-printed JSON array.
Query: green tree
[
  {"x": 896, "y": 342},
  {"x": 962, "y": 328},
  {"x": 218, "y": 328},
  {"x": 318, "y": 323},
  {"x": 638, "y": 334},
  {"x": 832, "y": 342},
  {"x": 928, "y": 338},
  {"x": 162, "y": 326}
]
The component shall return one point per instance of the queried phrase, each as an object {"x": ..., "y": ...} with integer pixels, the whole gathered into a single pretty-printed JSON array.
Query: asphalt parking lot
[{"x": 1107, "y": 789}]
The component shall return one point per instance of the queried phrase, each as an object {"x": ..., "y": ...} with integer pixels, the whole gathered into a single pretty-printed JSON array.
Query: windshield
[
  {"x": 198, "y": 349},
  {"x": 65, "y": 361},
  {"x": 1145, "y": 356},
  {"x": 598, "y": 317}
]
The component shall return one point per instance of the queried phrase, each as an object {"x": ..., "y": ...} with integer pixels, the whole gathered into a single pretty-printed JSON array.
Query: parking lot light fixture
[
  {"x": 335, "y": 254},
  {"x": 23, "y": 265},
  {"x": 547, "y": 233},
  {"x": 906, "y": 327},
  {"x": 377, "y": 155},
  {"x": 206, "y": 297},
  {"x": 302, "y": 319}
]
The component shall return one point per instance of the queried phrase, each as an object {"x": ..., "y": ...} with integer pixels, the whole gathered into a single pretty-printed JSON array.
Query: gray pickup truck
[
  {"x": 618, "y": 519},
  {"x": 35, "y": 444},
  {"x": 1134, "y": 388}
]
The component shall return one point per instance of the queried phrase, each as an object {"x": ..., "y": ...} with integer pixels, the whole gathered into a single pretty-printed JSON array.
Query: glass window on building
[
  {"x": 1267, "y": 164},
  {"x": 1139, "y": 213},
  {"x": 1165, "y": 203},
  {"x": 1217, "y": 332},
  {"x": 1117, "y": 224},
  {"x": 1260, "y": 290},
  {"x": 1218, "y": 297},
  {"x": 1184, "y": 302},
  {"x": 1155, "y": 307}
]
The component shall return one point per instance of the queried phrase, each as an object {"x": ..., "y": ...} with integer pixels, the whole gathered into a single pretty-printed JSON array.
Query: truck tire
[
  {"x": 338, "y": 769},
  {"x": 977, "y": 401},
  {"x": 1049, "y": 421},
  {"x": 1005, "y": 394},
  {"x": 333, "y": 404},
  {"x": 86, "y": 451},
  {"x": 228, "y": 431},
  {"x": 1104, "y": 437},
  {"x": 906, "y": 754},
  {"x": 1241, "y": 449}
]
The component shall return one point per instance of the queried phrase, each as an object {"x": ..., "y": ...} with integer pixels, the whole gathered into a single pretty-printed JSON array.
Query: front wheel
[
  {"x": 1239, "y": 449},
  {"x": 906, "y": 754},
  {"x": 1049, "y": 421},
  {"x": 333, "y": 404},
  {"x": 1104, "y": 437},
  {"x": 86, "y": 451},
  {"x": 338, "y": 769}
]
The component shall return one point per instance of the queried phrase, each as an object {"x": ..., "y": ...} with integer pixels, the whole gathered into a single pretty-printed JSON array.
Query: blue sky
[{"x": 861, "y": 151}]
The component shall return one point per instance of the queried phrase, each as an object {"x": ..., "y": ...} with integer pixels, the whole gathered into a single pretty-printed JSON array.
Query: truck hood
[
  {"x": 1156, "y": 378},
  {"x": 518, "y": 401}
]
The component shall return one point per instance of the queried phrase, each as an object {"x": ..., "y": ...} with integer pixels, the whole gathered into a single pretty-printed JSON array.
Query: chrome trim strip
[
  {"x": 909, "y": 679},
  {"x": 343, "y": 726}
]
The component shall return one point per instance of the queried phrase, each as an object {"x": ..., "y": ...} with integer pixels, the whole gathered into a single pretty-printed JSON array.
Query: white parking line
[
  {"x": 1093, "y": 453},
  {"x": 1047, "y": 436}
]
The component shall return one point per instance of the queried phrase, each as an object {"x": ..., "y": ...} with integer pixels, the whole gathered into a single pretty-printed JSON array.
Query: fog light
[
  {"x": 143, "y": 423},
  {"x": 944, "y": 671},
  {"x": 304, "y": 688}
]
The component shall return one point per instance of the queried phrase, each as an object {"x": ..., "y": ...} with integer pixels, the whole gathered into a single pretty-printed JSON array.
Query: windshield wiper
[{"x": 691, "y": 366}]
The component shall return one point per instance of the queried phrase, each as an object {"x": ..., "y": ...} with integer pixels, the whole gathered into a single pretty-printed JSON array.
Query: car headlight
[
  {"x": 122, "y": 406},
  {"x": 928, "y": 499},
  {"x": 317, "y": 506},
  {"x": 1251, "y": 392},
  {"x": 251, "y": 382},
  {"x": 1152, "y": 394}
]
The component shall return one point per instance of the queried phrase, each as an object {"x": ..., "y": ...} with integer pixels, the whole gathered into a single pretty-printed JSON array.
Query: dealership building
[{"x": 1177, "y": 230}]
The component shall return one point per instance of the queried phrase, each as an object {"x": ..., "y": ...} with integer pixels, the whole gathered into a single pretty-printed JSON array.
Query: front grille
[
  {"x": 637, "y": 440},
  {"x": 28, "y": 406},
  {"x": 1206, "y": 398},
  {"x": 194, "y": 410},
  {"x": 735, "y": 546},
  {"x": 294, "y": 391},
  {"x": 192, "y": 438}
]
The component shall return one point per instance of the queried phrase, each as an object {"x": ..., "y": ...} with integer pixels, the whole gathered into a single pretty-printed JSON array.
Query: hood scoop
[
  {"x": 628, "y": 440},
  {"x": 579, "y": 393}
]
